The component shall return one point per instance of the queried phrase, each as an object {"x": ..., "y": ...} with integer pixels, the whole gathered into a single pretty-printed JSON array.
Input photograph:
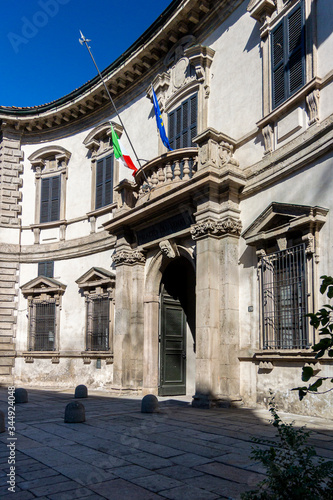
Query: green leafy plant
[
  {"x": 294, "y": 471},
  {"x": 322, "y": 320}
]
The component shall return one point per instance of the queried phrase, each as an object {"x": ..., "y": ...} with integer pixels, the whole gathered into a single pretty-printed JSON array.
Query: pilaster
[{"x": 128, "y": 338}]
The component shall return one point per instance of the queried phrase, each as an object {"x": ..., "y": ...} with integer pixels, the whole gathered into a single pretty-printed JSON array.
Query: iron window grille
[
  {"x": 42, "y": 326},
  {"x": 98, "y": 321},
  {"x": 284, "y": 295}
]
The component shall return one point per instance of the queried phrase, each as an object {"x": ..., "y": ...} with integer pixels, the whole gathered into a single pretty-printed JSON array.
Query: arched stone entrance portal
[{"x": 177, "y": 329}]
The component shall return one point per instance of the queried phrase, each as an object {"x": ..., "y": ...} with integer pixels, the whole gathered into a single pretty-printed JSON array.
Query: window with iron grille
[
  {"x": 104, "y": 182},
  {"x": 98, "y": 321},
  {"x": 288, "y": 55},
  {"x": 42, "y": 331},
  {"x": 284, "y": 296},
  {"x": 183, "y": 123},
  {"x": 50, "y": 199}
]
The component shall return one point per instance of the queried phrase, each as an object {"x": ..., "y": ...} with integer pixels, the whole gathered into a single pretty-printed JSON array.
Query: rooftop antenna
[{"x": 84, "y": 41}]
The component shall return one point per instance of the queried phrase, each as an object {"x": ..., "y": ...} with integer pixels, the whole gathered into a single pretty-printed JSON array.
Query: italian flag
[{"x": 120, "y": 152}]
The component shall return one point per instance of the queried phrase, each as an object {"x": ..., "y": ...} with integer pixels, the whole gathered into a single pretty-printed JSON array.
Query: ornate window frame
[
  {"x": 188, "y": 72},
  {"x": 43, "y": 290},
  {"x": 98, "y": 283},
  {"x": 49, "y": 162},
  {"x": 269, "y": 13},
  {"x": 99, "y": 144},
  {"x": 279, "y": 228}
]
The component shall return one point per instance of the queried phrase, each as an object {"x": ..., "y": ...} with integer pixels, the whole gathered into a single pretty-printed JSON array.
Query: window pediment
[
  {"x": 96, "y": 277},
  {"x": 50, "y": 158},
  {"x": 188, "y": 66},
  {"x": 43, "y": 285},
  {"x": 101, "y": 134},
  {"x": 280, "y": 218}
]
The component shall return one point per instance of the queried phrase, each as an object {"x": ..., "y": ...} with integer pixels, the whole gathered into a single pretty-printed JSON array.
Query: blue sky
[{"x": 41, "y": 57}]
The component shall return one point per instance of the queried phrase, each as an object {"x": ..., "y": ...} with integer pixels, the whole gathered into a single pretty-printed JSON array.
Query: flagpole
[{"x": 85, "y": 41}]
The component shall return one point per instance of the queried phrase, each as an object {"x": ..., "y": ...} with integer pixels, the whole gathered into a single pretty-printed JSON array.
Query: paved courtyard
[{"x": 120, "y": 453}]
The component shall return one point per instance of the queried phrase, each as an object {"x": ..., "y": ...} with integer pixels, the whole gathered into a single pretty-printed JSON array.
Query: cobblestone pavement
[{"x": 120, "y": 453}]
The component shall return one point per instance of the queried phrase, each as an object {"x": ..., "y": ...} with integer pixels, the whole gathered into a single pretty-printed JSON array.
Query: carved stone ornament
[
  {"x": 29, "y": 359},
  {"x": 216, "y": 228},
  {"x": 268, "y": 135},
  {"x": 309, "y": 240},
  {"x": 86, "y": 360},
  {"x": 266, "y": 366},
  {"x": 226, "y": 154},
  {"x": 312, "y": 101},
  {"x": 168, "y": 249},
  {"x": 188, "y": 65},
  {"x": 129, "y": 257}
]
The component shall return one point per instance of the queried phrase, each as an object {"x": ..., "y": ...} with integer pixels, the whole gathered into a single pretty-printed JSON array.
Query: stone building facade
[{"x": 195, "y": 275}]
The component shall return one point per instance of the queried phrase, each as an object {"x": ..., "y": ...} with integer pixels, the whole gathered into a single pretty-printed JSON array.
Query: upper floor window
[
  {"x": 46, "y": 268},
  {"x": 183, "y": 123},
  {"x": 50, "y": 166},
  {"x": 50, "y": 199},
  {"x": 288, "y": 56},
  {"x": 104, "y": 181},
  {"x": 104, "y": 168}
]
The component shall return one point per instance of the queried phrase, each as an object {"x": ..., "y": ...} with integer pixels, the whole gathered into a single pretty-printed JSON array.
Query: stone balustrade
[{"x": 167, "y": 170}]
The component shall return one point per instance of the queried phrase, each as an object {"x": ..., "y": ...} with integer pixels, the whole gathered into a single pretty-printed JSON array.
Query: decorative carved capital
[
  {"x": 129, "y": 257},
  {"x": 312, "y": 101},
  {"x": 216, "y": 228}
]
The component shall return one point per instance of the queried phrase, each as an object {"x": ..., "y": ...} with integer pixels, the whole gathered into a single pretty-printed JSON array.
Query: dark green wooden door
[{"x": 172, "y": 347}]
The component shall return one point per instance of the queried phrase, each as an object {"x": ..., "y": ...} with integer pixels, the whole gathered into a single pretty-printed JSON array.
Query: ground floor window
[
  {"x": 98, "y": 321},
  {"x": 42, "y": 331},
  {"x": 284, "y": 299}
]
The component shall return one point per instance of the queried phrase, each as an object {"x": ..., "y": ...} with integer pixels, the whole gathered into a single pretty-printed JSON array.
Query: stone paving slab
[{"x": 180, "y": 453}]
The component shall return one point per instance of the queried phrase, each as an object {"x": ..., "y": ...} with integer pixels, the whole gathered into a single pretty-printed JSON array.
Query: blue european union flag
[{"x": 160, "y": 124}]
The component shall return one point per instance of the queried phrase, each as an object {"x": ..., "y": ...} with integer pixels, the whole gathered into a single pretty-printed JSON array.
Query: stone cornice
[
  {"x": 79, "y": 247},
  {"x": 133, "y": 66},
  {"x": 316, "y": 141}
]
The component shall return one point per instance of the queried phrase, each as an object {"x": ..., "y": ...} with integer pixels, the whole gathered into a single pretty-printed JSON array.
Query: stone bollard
[
  {"x": 149, "y": 404},
  {"x": 74, "y": 413},
  {"x": 81, "y": 391},
  {"x": 21, "y": 396},
  {"x": 2, "y": 422}
]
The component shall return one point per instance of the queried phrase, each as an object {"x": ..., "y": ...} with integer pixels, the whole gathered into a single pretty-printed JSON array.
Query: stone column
[
  {"x": 207, "y": 315},
  {"x": 217, "y": 324},
  {"x": 128, "y": 337},
  {"x": 151, "y": 345},
  {"x": 216, "y": 233}
]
